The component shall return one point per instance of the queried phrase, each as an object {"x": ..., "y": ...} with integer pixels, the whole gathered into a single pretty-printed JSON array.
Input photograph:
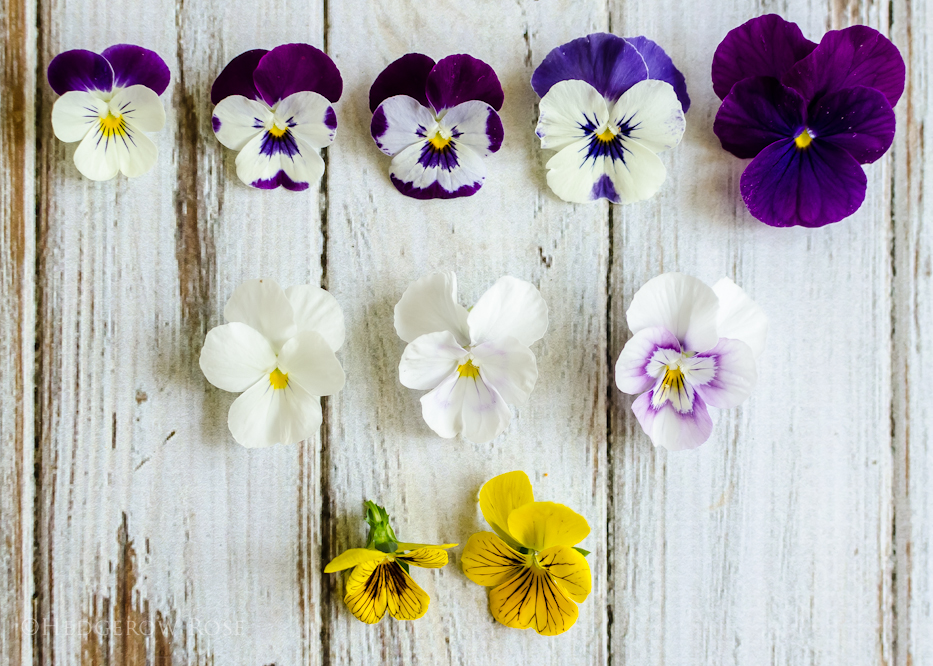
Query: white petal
[
  {"x": 399, "y": 122},
  {"x": 442, "y": 408},
  {"x": 238, "y": 119},
  {"x": 740, "y": 318},
  {"x": 682, "y": 304},
  {"x": 428, "y": 359},
  {"x": 264, "y": 416},
  {"x": 509, "y": 367},
  {"x": 510, "y": 307},
  {"x": 485, "y": 414},
  {"x": 317, "y": 310},
  {"x": 296, "y": 168},
  {"x": 140, "y": 106},
  {"x": 470, "y": 124},
  {"x": 101, "y": 157},
  {"x": 632, "y": 372},
  {"x": 671, "y": 429},
  {"x": 306, "y": 113},
  {"x": 76, "y": 113},
  {"x": 564, "y": 111},
  {"x": 654, "y": 113},
  {"x": 430, "y": 305},
  {"x": 461, "y": 172},
  {"x": 235, "y": 356},
  {"x": 263, "y": 305},
  {"x": 734, "y": 373},
  {"x": 308, "y": 360}
]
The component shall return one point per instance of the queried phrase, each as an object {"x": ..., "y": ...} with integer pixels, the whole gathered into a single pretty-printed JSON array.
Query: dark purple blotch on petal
[
  {"x": 607, "y": 62},
  {"x": 80, "y": 70},
  {"x": 757, "y": 112},
  {"x": 661, "y": 67},
  {"x": 460, "y": 78},
  {"x": 764, "y": 46},
  {"x": 136, "y": 66},
  {"x": 275, "y": 145},
  {"x": 860, "y": 120},
  {"x": 280, "y": 179},
  {"x": 494, "y": 131},
  {"x": 237, "y": 77},
  {"x": 605, "y": 189},
  {"x": 444, "y": 158},
  {"x": 406, "y": 76},
  {"x": 330, "y": 118},
  {"x": 215, "y": 123},
  {"x": 292, "y": 68},
  {"x": 434, "y": 190},
  {"x": 378, "y": 125}
]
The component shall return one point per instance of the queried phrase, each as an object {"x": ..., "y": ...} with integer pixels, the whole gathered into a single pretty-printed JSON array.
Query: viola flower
[
  {"x": 692, "y": 346},
  {"x": 536, "y": 573},
  {"x": 278, "y": 350},
  {"x": 274, "y": 109},
  {"x": 379, "y": 580},
  {"x": 475, "y": 364},
  {"x": 437, "y": 122},
  {"x": 107, "y": 102},
  {"x": 608, "y": 106},
  {"x": 808, "y": 115}
]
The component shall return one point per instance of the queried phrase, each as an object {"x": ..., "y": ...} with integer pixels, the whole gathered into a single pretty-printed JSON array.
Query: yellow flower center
[
  {"x": 803, "y": 139},
  {"x": 112, "y": 125},
  {"x": 278, "y": 379},
  {"x": 606, "y": 137},
  {"x": 468, "y": 370},
  {"x": 277, "y": 131},
  {"x": 439, "y": 142},
  {"x": 673, "y": 381}
]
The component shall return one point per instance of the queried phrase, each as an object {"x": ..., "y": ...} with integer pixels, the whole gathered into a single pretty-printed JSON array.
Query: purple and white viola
[
  {"x": 437, "y": 121},
  {"x": 692, "y": 346},
  {"x": 108, "y": 100},
  {"x": 274, "y": 109},
  {"x": 608, "y": 106},
  {"x": 808, "y": 115}
]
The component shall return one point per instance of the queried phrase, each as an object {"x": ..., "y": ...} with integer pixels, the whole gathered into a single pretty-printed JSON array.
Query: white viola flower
[
  {"x": 692, "y": 346},
  {"x": 278, "y": 350},
  {"x": 474, "y": 363}
]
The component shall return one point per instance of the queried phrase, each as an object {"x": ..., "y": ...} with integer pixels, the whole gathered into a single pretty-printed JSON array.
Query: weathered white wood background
[{"x": 801, "y": 533}]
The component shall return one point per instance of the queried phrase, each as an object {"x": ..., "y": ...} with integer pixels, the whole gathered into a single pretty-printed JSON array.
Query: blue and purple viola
[
  {"x": 437, "y": 121},
  {"x": 274, "y": 109},
  {"x": 108, "y": 100},
  {"x": 808, "y": 115},
  {"x": 609, "y": 105}
]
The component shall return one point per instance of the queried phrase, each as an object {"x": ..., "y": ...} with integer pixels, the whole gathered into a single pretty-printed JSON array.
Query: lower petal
[
  {"x": 75, "y": 114},
  {"x": 631, "y": 370},
  {"x": 509, "y": 366},
  {"x": 406, "y": 600},
  {"x": 141, "y": 108},
  {"x": 532, "y": 599},
  {"x": 366, "y": 592},
  {"x": 264, "y": 416},
  {"x": 442, "y": 408},
  {"x": 399, "y": 122},
  {"x": 569, "y": 568},
  {"x": 651, "y": 114},
  {"x": 236, "y": 356},
  {"x": 101, "y": 156},
  {"x": 310, "y": 116},
  {"x": 237, "y": 120},
  {"x": 734, "y": 375},
  {"x": 308, "y": 360},
  {"x": 567, "y": 108},
  {"x": 421, "y": 172},
  {"x": 489, "y": 561},
  {"x": 265, "y": 165},
  {"x": 671, "y": 429},
  {"x": 485, "y": 413}
]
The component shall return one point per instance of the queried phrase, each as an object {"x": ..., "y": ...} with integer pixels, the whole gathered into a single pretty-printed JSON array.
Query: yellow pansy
[
  {"x": 536, "y": 575},
  {"x": 379, "y": 580}
]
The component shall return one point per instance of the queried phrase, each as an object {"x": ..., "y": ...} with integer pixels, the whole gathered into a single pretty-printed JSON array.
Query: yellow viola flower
[
  {"x": 379, "y": 580},
  {"x": 536, "y": 574}
]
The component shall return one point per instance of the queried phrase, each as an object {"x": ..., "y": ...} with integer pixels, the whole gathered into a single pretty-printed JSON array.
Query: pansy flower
[
  {"x": 274, "y": 109},
  {"x": 475, "y": 364},
  {"x": 531, "y": 562},
  {"x": 608, "y": 106},
  {"x": 692, "y": 346},
  {"x": 278, "y": 351},
  {"x": 437, "y": 121},
  {"x": 108, "y": 100},
  {"x": 808, "y": 115},
  {"x": 380, "y": 579}
]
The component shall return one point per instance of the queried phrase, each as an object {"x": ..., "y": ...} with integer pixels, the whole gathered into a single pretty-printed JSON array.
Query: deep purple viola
[
  {"x": 437, "y": 121},
  {"x": 808, "y": 115},
  {"x": 609, "y": 105},
  {"x": 274, "y": 109},
  {"x": 108, "y": 100}
]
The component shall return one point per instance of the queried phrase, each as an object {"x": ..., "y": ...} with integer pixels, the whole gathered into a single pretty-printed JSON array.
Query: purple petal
[
  {"x": 237, "y": 77},
  {"x": 661, "y": 67},
  {"x": 434, "y": 190},
  {"x": 757, "y": 112},
  {"x": 461, "y": 78},
  {"x": 857, "y": 119},
  {"x": 733, "y": 373},
  {"x": 280, "y": 179},
  {"x": 765, "y": 46},
  {"x": 136, "y": 66},
  {"x": 291, "y": 68},
  {"x": 786, "y": 186},
  {"x": 856, "y": 56},
  {"x": 406, "y": 76},
  {"x": 608, "y": 63},
  {"x": 671, "y": 429},
  {"x": 80, "y": 70}
]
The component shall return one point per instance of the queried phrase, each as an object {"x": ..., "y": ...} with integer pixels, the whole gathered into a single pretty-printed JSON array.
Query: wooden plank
[
  {"x": 17, "y": 325},
  {"x": 378, "y": 242},
  {"x": 150, "y": 512},
  {"x": 771, "y": 543}
]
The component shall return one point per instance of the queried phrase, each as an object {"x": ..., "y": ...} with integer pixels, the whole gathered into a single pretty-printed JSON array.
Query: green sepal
[
  {"x": 381, "y": 537},
  {"x": 403, "y": 564},
  {"x": 582, "y": 551}
]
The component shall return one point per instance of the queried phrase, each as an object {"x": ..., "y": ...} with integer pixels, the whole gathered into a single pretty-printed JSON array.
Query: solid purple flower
[{"x": 437, "y": 121}]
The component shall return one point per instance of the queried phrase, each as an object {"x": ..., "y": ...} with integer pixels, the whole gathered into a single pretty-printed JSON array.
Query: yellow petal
[
  {"x": 533, "y": 599},
  {"x": 352, "y": 557},
  {"x": 500, "y": 496},
  {"x": 414, "y": 546},
  {"x": 406, "y": 600},
  {"x": 428, "y": 558},
  {"x": 541, "y": 525},
  {"x": 489, "y": 561},
  {"x": 366, "y": 591},
  {"x": 569, "y": 569}
]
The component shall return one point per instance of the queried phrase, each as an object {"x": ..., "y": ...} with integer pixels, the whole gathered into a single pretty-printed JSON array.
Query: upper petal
[
  {"x": 477, "y": 125},
  {"x": 291, "y": 68},
  {"x": 265, "y": 416},
  {"x": 671, "y": 429},
  {"x": 352, "y": 557},
  {"x": 661, "y": 67},
  {"x": 510, "y": 307},
  {"x": 317, "y": 310},
  {"x": 76, "y": 113},
  {"x": 134, "y": 65},
  {"x": 682, "y": 304},
  {"x": 140, "y": 106},
  {"x": 309, "y": 116},
  {"x": 500, "y": 496},
  {"x": 430, "y": 359},
  {"x": 631, "y": 371},
  {"x": 366, "y": 594},
  {"x": 406, "y": 76},
  {"x": 740, "y": 318},
  {"x": 80, "y": 70},
  {"x": 566, "y": 110},
  {"x": 734, "y": 374},
  {"x": 426, "y": 558},
  {"x": 860, "y": 120},
  {"x": 263, "y": 305},
  {"x": 757, "y": 112},
  {"x": 237, "y": 120},
  {"x": 236, "y": 356},
  {"x": 237, "y": 77},
  {"x": 406, "y": 600},
  {"x": 430, "y": 305},
  {"x": 651, "y": 114},
  {"x": 508, "y": 366},
  {"x": 308, "y": 360},
  {"x": 399, "y": 122},
  {"x": 569, "y": 568},
  {"x": 460, "y": 78},
  {"x": 533, "y": 599},
  {"x": 542, "y": 525},
  {"x": 487, "y": 560}
]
